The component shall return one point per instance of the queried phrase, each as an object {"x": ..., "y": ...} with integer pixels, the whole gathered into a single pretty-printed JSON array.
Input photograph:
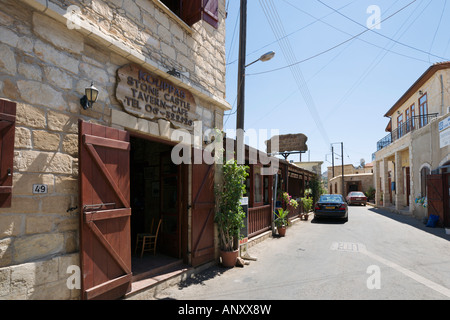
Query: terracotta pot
[
  {"x": 229, "y": 258},
  {"x": 281, "y": 231}
]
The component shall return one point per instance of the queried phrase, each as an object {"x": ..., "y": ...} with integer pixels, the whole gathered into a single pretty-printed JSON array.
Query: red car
[{"x": 356, "y": 197}]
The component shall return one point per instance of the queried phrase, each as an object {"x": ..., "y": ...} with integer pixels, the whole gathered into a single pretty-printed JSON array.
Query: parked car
[
  {"x": 356, "y": 197},
  {"x": 331, "y": 206}
]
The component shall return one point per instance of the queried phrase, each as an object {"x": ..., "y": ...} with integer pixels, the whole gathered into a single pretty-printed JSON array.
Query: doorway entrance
[{"x": 157, "y": 192}]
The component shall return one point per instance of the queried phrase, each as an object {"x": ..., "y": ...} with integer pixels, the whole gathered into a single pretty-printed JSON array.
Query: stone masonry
[{"x": 44, "y": 68}]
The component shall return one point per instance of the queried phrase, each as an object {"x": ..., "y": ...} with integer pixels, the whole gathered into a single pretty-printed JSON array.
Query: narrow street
[{"x": 375, "y": 255}]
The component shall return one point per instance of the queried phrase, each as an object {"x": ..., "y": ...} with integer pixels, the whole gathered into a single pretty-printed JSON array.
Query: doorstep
[{"x": 146, "y": 287}]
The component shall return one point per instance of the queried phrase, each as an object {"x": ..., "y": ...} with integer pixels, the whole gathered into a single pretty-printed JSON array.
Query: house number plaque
[{"x": 40, "y": 188}]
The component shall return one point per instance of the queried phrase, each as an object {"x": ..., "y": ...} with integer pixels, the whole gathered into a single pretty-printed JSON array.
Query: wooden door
[
  {"x": 202, "y": 213},
  {"x": 435, "y": 195},
  {"x": 7, "y": 130},
  {"x": 447, "y": 200},
  {"x": 408, "y": 184},
  {"x": 105, "y": 248},
  {"x": 170, "y": 205}
]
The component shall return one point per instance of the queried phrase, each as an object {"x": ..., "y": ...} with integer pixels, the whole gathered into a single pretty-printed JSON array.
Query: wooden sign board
[
  {"x": 288, "y": 143},
  {"x": 149, "y": 96}
]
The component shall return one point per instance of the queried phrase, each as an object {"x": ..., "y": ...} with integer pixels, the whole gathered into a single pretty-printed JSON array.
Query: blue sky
[{"x": 347, "y": 79}]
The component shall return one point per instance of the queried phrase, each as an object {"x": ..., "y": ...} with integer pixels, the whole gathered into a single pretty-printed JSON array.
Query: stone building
[
  {"x": 71, "y": 173},
  {"x": 412, "y": 161},
  {"x": 355, "y": 179}
]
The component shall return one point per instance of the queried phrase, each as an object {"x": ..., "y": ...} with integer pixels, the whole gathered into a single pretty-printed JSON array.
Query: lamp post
[{"x": 241, "y": 70}]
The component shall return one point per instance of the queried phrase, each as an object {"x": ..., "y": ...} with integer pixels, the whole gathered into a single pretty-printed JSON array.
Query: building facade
[
  {"x": 355, "y": 179},
  {"x": 72, "y": 172},
  {"x": 415, "y": 147}
]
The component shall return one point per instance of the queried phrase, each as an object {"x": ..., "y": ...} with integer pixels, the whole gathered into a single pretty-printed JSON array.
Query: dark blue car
[{"x": 331, "y": 206}]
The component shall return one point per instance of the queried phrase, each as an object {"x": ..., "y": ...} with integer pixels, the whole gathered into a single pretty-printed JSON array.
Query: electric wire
[
  {"x": 276, "y": 25},
  {"x": 437, "y": 29},
  {"x": 295, "y": 31},
  {"x": 380, "y": 34},
  {"x": 329, "y": 49},
  {"x": 349, "y": 34},
  {"x": 377, "y": 60}
]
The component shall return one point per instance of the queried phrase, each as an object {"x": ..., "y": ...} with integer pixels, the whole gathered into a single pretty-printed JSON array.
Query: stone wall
[{"x": 44, "y": 68}]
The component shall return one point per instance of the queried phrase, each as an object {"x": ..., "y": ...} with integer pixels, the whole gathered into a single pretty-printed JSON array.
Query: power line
[
  {"x": 345, "y": 32},
  {"x": 275, "y": 23},
  {"x": 293, "y": 32},
  {"x": 332, "y": 48},
  {"x": 382, "y": 35},
  {"x": 439, "y": 24}
]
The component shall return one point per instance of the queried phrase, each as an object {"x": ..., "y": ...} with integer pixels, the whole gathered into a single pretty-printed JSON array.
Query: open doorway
[{"x": 156, "y": 192}]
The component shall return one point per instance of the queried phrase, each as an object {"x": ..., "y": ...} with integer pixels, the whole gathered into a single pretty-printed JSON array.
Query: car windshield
[
  {"x": 356, "y": 194},
  {"x": 330, "y": 198}
]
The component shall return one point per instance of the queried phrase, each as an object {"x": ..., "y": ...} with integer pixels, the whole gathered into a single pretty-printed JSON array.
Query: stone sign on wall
[{"x": 149, "y": 96}]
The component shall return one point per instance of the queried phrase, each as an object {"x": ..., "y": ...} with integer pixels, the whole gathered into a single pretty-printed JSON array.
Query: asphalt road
[{"x": 375, "y": 255}]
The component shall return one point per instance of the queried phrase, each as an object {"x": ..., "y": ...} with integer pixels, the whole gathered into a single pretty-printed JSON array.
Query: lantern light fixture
[{"x": 90, "y": 97}]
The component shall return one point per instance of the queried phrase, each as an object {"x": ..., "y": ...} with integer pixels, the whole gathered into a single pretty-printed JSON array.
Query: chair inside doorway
[{"x": 154, "y": 188}]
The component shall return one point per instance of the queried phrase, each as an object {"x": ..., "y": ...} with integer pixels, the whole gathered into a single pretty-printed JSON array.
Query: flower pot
[
  {"x": 281, "y": 231},
  {"x": 229, "y": 258}
]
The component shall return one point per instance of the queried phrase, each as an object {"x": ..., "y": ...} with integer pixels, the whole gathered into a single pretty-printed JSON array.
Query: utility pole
[
  {"x": 241, "y": 68},
  {"x": 332, "y": 158},
  {"x": 342, "y": 157}
]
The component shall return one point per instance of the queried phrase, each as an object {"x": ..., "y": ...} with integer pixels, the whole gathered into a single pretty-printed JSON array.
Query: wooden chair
[{"x": 148, "y": 240}]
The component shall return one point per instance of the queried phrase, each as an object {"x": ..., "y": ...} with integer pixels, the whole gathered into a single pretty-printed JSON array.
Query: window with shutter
[
  {"x": 192, "y": 11},
  {"x": 7, "y": 130}
]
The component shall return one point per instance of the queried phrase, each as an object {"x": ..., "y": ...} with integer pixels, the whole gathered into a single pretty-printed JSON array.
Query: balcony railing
[{"x": 410, "y": 125}]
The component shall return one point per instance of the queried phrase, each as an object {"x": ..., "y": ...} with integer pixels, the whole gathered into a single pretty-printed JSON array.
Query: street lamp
[
  {"x": 241, "y": 72},
  {"x": 241, "y": 86},
  {"x": 265, "y": 57}
]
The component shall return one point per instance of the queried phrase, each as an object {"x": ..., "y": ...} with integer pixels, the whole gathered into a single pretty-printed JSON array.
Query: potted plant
[
  {"x": 307, "y": 204},
  {"x": 230, "y": 215},
  {"x": 281, "y": 221}
]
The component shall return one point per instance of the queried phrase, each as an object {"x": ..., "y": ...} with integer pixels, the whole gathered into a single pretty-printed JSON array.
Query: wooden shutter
[
  {"x": 435, "y": 195},
  {"x": 105, "y": 211},
  {"x": 193, "y": 11},
  {"x": 7, "y": 130},
  {"x": 202, "y": 213}
]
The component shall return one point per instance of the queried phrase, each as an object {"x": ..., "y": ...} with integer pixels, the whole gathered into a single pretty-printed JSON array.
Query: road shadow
[
  {"x": 411, "y": 221},
  {"x": 201, "y": 277},
  {"x": 328, "y": 220}
]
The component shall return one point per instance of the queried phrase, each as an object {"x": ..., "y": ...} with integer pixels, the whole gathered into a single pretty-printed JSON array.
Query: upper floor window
[
  {"x": 423, "y": 110},
  {"x": 413, "y": 114},
  {"x": 400, "y": 125},
  {"x": 192, "y": 11}
]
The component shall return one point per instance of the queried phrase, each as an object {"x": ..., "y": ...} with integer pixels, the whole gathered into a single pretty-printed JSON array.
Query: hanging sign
[
  {"x": 149, "y": 96},
  {"x": 287, "y": 143}
]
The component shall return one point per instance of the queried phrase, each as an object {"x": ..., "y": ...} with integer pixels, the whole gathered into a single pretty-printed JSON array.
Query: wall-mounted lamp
[
  {"x": 174, "y": 73},
  {"x": 90, "y": 97},
  {"x": 421, "y": 92}
]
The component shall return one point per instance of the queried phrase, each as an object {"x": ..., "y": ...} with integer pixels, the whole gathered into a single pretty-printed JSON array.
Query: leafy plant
[
  {"x": 289, "y": 201},
  {"x": 370, "y": 193},
  {"x": 230, "y": 216},
  {"x": 307, "y": 204},
  {"x": 281, "y": 217}
]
